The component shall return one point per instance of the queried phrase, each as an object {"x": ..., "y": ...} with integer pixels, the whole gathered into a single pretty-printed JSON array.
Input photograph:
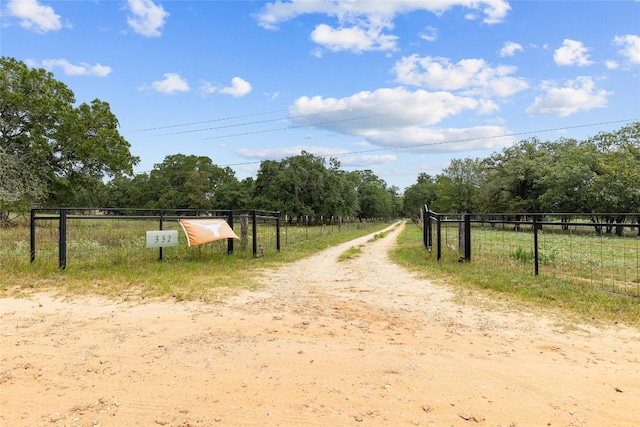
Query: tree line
[
  {"x": 598, "y": 175},
  {"x": 302, "y": 186},
  {"x": 55, "y": 154}
]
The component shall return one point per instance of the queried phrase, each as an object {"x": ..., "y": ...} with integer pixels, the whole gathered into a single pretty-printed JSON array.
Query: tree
[
  {"x": 416, "y": 196},
  {"x": 512, "y": 179},
  {"x": 615, "y": 187},
  {"x": 374, "y": 199},
  {"x": 303, "y": 186},
  {"x": 186, "y": 182},
  {"x": 567, "y": 176},
  {"x": 236, "y": 195},
  {"x": 41, "y": 132},
  {"x": 458, "y": 185},
  {"x": 19, "y": 186}
]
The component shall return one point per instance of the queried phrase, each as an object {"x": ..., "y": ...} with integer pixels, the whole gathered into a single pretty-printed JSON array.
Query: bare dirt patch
[{"x": 360, "y": 342}]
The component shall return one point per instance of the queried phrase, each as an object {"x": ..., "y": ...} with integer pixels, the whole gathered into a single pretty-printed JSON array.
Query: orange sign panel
[{"x": 199, "y": 231}]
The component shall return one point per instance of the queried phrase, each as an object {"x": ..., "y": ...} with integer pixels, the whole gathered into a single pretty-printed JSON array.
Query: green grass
[
  {"x": 112, "y": 266},
  {"x": 350, "y": 253},
  {"x": 509, "y": 282},
  {"x": 504, "y": 272}
]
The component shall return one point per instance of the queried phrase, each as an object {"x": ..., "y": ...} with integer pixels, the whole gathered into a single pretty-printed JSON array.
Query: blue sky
[{"x": 397, "y": 87}]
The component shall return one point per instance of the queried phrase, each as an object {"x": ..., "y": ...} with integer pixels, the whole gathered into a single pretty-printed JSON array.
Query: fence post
[
  {"x": 426, "y": 228},
  {"x": 160, "y": 221},
  {"x": 464, "y": 238},
  {"x": 535, "y": 243},
  {"x": 467, "y": 237},
  {"x": 254, "y": 233},
  {"x": 278, "y": 231},
  {"x": 230, "y": 241},
  {"x": 32, "y": 239},
  {"x": 62, "y": 239},
  {"x": 438, "y": 237},
  {"x": 244, "y": 231}
]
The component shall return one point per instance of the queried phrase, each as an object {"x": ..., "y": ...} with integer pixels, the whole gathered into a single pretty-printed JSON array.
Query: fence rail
[
  {"x": 79, "y": 230},
  {"x": 586, "y": 249},
  {"x": 92, "y": 236}
]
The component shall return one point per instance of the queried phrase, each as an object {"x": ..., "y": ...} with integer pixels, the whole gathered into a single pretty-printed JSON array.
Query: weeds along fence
[
  {"x": 90, "y": 236},
  {"x": 587, "y": 250},
  {"x": 79, "y": 237}
]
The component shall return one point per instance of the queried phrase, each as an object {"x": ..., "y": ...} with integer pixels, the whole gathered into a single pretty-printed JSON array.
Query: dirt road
[{"x": 354, "y": 343}]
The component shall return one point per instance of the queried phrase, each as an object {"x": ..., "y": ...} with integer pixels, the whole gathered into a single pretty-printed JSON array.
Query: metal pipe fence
[
  {"x": 587, "y": 252},
  {"x": 82, "y": 237},
  {"x": 120, "y": 235}
]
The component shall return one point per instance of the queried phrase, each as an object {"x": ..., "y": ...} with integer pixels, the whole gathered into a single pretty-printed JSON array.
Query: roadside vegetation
[
  {"x": 516, "y": 286},
  {"x": 352, "y": 252},
  {"x": 208, "y": 279}
]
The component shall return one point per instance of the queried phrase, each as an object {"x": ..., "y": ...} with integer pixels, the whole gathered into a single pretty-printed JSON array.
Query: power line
[
  {"x": 406, "y": 147},
  {"x": 293, "y": 127},
  {"x": 373, "y": 150},
  {"x": 207, "y": 121},
  {"x": 222, "y": 119},
  {"x": 261, "y": 122}
]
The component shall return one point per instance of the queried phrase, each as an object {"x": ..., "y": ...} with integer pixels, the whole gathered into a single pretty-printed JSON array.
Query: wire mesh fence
[
  {"x": 573, "y": 247},
  {"x": 118, "y": 236}
]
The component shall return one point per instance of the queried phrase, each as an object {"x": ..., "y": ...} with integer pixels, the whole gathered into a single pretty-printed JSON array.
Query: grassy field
[
  {"x": 507, "y": 276},
  {"x": 112, "y": 261},
  {"x": 501, "y": 267}
]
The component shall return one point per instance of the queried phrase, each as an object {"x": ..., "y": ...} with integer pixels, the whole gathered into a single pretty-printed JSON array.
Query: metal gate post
[
  {"x": 62, "y": 240},
  {"x": 254, "y": 233},
  {"x": 160, "y": 221},
  {"x": 32, "y": 238},
  {"x": 438, "y": 237},
  {"x": 467, "y": 237},
  {"x": 230, "y": 241},
  {"x": 278, "y": 231},
  {"x": 535, "y": 243}
]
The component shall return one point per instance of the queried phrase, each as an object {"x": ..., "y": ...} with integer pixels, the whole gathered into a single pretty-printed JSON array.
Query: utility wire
[
  {"x": 237, "y": 124},
  {"x": 293, "y": 127},
  {"x": 405, "y": 147},
  {"x": 207, "y": 121},
  {"x": 278, "y": 119}
]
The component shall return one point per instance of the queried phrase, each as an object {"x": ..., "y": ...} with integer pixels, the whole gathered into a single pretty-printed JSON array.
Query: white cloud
[
  {"x": 396, "y": 108},
  {"x": 572, "y": 52},
  {"x": 34, "y": 16},
  {"x": 510, "y": 48},
  {"x": 83, "y": 69},
  {"x": 399, "y": 118},
  {"x": 356, "y": 39},
  {"x": 282, "y": 152},
  {"x": 611, "y": 65},
  {"x": 366, "y": 160},
  {"x": 470, "y": 76},
  {"x": 147, "y": 18},
  {"x": 347, "y": 159},
  {"x": 361, "y": 23},
  {"x": 172, "y": 83},
  {"x": 630, "y": 47},
  {"x": 278, "y": 12},
  {"x": 239, "y": 87},
  {"x": 577, "y": 95},
  {"x": 207, "y": 88},
  {"x": 444, "y": 139},
  {"x": 429, "y": 34}
]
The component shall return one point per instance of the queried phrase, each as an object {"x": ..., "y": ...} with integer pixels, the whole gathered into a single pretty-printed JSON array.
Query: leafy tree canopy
[{"x": 47, "y": 144}]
